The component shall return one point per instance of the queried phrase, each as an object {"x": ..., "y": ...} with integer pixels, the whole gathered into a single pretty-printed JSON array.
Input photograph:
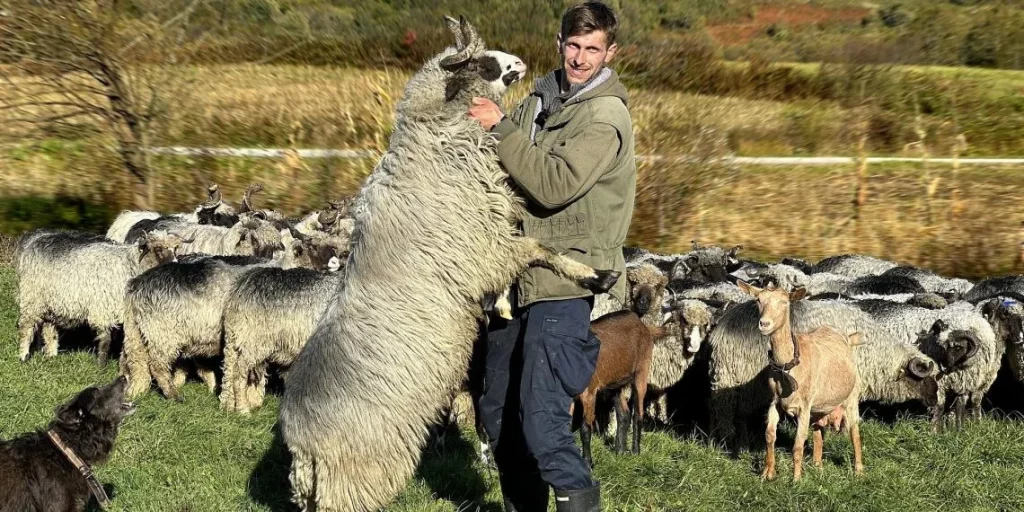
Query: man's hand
[{"x": 486, "y": 112}]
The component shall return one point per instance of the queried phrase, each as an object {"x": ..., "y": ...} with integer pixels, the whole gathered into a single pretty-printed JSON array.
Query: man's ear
[
  {"x": 611, "y": 52},
  {"x": 558, "y": 42}
]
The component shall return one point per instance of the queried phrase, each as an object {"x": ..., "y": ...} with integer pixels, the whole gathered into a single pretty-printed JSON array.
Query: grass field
[{"x": 191, "y": 456}]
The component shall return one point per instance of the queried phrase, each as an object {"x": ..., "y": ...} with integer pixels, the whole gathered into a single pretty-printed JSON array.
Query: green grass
[{"x": 194, "y": 457}]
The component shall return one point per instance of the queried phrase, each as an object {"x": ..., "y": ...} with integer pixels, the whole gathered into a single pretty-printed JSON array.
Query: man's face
[{"x": 584, "y": 55}]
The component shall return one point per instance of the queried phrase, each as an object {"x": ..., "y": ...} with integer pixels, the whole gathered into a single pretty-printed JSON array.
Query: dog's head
[{"x": 96, "y": 407}]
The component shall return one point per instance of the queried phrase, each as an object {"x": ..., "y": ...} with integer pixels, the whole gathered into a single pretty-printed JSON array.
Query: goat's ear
[
  {"x": 797, "y": 293},
  {"x": 748, "y": 288}
]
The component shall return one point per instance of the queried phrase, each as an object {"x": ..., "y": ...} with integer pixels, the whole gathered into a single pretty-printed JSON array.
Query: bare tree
[{"x": 88, "y": 65}]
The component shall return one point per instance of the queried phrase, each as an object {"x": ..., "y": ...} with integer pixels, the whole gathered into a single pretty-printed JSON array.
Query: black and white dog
[{"x": 50, "y": 470}]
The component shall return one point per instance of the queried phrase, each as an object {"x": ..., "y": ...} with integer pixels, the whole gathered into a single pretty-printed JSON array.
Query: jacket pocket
[{"x": 572, "y": 353}]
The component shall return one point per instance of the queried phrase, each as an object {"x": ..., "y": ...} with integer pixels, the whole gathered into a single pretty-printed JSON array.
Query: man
[{"x": 569, "y": 149}]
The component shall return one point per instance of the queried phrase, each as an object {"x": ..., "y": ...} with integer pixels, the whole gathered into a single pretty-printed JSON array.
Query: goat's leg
[
  {"x": 803, "y": 423},
  {"x": 818, "y": 440},
  {"x": 27, "y": 326},
  {"x": 639, "y": 390},
  {"x": 50, "y": 339},
  {"x": 852, "y": 425},
  {"x": 597, "y": 281},
  {"x": 769, "y": 436},
  {"x": 587, "y": 399},
  {"x": 622, "y": 421}
]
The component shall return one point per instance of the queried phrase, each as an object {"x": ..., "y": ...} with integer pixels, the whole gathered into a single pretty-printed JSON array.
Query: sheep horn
[
  {"x": 453, "y": 26},
  {"x": 328, "y": 217},
  {"x": 190, "y": 239},
  {"x": 299, "y": 235},
  {"x": 920, "y": 367},
  {"x": 470, "y": 47},
  {"x": 213, "y": 193},
  {"x": 695, "y": 244},
  {"x": 247, "y": 197}
]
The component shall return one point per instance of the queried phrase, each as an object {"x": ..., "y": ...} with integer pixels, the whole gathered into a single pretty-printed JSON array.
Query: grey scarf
[{"x": 553, "y": 98}]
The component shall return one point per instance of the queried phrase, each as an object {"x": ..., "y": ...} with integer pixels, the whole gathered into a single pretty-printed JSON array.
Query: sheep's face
[
  {"x": 1007, "y": 320},
  {"x": 159, "y": 247},
  {"x": 218, "y": 214},
  {"x": 474, "y": 70}
]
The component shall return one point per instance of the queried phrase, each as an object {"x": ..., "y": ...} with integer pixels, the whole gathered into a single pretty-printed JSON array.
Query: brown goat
[
  {"x": 627, "y": 345},
  {"x": 813, "y": 377}
]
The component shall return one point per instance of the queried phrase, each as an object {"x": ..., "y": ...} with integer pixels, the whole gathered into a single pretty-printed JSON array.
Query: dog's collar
[{"x": 94, "y": 485}]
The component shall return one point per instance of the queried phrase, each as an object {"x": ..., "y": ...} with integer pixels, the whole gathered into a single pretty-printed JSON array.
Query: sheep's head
[
  {"x": 646, "y": 289},
  {"x": 952, "y": 349},
  {"x": 159, "y": 247},
  {"x": 709, "y": 264},
  {"x": 474, "y": 71},
  {"x": 214, "y": 211},
  {"x": 257, "y": 237},
  {"x": 694, "y": 320},
  {"x": 321, "y": 252},
  {"x": 1007, "y": 319}
]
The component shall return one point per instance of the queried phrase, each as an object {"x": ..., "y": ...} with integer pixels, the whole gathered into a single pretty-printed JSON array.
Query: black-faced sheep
[
  {"x": 67, "y": 279},
  {"x": 436, "y": 216}
]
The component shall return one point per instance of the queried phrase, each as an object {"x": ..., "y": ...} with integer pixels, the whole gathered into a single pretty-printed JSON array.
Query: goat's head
[
  {"x": 774, "y": 305},
  {"x": 475, "y": 71}
]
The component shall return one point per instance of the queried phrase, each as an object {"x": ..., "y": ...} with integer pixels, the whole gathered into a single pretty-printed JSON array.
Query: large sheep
[
  {"x": 853, "y": 265},
  {"x": 67, "y": 279},
  {"x": 174, "y": 311},
  {"x": 250, "y": 236},
  {"x": 434, "y": 233},
  {"x": 268, "y": 316},
  {"x": 966, "y": 346},
  {"x": 930, "y": 281},
  {"x": 890, "y": 372}
]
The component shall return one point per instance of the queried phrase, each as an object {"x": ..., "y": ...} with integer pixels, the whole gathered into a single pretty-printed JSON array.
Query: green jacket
[{"x": 579, "y": 177}]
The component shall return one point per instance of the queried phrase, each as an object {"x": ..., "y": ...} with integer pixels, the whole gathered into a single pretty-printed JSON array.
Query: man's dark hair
[{"x": 587, "y": 17}]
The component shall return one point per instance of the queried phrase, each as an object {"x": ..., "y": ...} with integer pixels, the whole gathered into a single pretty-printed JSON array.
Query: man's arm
[{"x": 554, "y": 178}]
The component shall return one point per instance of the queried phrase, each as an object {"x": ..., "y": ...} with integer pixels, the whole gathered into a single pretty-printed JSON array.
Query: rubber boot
[{"x": 582, "y": 500}]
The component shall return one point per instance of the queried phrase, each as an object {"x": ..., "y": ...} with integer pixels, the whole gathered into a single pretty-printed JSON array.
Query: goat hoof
[{"x": 602, "y": 281}]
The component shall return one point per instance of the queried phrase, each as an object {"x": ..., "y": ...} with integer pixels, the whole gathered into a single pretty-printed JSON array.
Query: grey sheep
[
  {"x": 962, "y": 342},
  {"x": 268, "y": 316},
  {"x": 174, "y": 311},
  {"x": 853, "y": 265},
  {"x": 930, "y": 281},
  {"x": 67, "y": 279},
  {"x": 436, "y": 216}
]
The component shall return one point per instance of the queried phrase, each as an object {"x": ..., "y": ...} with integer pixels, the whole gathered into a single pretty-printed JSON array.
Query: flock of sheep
[
  {"x": 374, "y": 304},
  {"x": 241, "y": 285}
]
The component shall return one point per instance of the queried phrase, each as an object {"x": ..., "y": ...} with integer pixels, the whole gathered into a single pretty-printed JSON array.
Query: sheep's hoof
[
  {"x": 23, "y": 357},
  {"x": 602, "y": 282}
]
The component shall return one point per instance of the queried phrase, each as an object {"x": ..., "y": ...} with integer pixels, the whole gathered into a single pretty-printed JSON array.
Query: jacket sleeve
[{"x": 556, "y": 177}]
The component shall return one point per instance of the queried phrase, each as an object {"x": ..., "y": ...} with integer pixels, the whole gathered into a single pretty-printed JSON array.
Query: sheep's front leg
[
  {"x": 256, "y": 388},
  {"x": 208, "y": 376},
  {"x": 939, "y": 412},
  {"x": 769, "y": 437},
  {"x": 803, "y": 424},
  {"x": 229, "y": 380},
  {"x": 161, "y": 372},
  {"x": 26, "y": 334},
  {"x": 102, "y": 343},
  {"x": 597, "y": 281},
  {"x": 960, "y": 410},
  {"x": 50, "y": 343}
]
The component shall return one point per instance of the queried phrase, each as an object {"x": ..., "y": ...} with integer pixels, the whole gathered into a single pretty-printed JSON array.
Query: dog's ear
[{"x": 70, "y": 414}]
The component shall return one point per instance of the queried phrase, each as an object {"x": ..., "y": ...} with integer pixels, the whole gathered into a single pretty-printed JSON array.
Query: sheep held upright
[{"x": 435, "y": 216}]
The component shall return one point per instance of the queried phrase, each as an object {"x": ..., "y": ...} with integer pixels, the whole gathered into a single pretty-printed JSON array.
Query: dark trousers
[{"x": 536, "y": 364}]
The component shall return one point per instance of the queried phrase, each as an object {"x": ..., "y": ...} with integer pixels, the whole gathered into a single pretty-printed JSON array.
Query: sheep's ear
[
  {"x": 797, "y": 293},
  {"x": 679, "y": 270},
  {"x": 989, "y": 309},
  {"x": 938, "y": 327}
]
